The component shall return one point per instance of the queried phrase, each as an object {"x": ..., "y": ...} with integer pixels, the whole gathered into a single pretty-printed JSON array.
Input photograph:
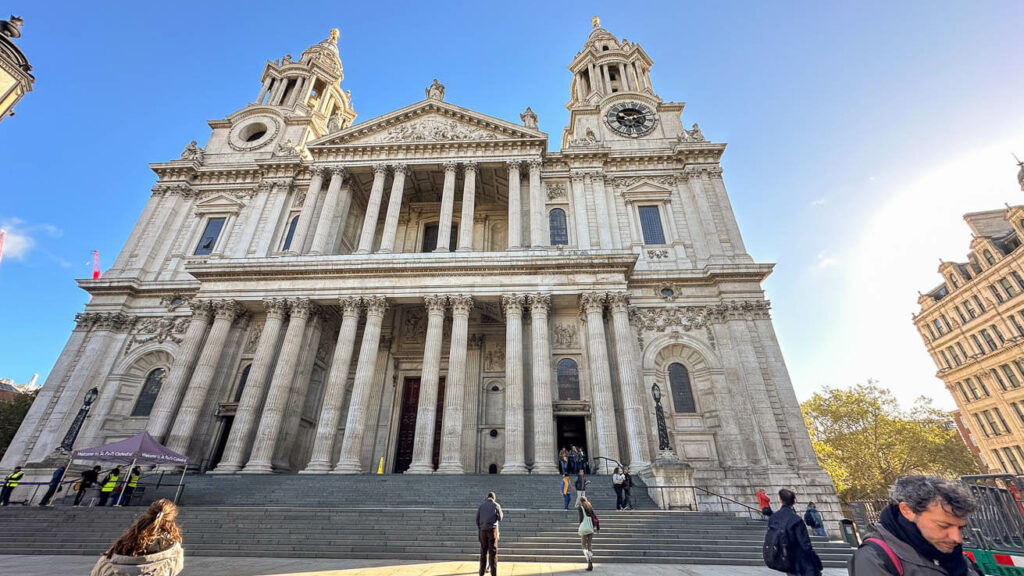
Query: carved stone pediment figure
[
  {"x": 193, "y": 152},
  {"x": 434, "y": 129},
  {"x": 435, "y": 91}
]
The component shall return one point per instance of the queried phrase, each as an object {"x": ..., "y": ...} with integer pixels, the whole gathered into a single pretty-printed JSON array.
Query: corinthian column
[
  {"x": 280, "y": 387},
  {"x": 239, "y": 439},
  {"x": 592, "y": 305},
  {"x": 468, "y": 206},
  {"x": 629, "y": 382},
  {"x": 323, "y": 227},
  {"x": 169, "y": 397},
  {"x": 543, "y": 419},
  {"x": 387, "y": 239},
  {"x": 444, "y": 226},
  {"x": 538, "y": 223},
  {"x": 225, "y": 312},
  {"x": 352, "y": 443},
  {"x": 380, "y": 172},
  {"x": 306, "y": 215},
  {"x": 515, "y": 207},
  {"x": 426, "y": 413},
  {"x": 330, "y": 412},
  {"x": 515, "y": 454},
  {"x": 454, "y": 387}
]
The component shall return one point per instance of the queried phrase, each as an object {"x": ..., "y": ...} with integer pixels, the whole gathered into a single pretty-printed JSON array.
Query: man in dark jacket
[
  {"x": 488, "y": 515},
  {"x": 922, "y": 530},
  {"x": 786, "y": 519},
  {"x": 89, "y": 477},
  {"x": 58, "y": 474}
]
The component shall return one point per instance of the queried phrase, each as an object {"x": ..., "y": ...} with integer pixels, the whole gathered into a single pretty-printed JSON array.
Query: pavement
[{"x": 26, "y": 565}]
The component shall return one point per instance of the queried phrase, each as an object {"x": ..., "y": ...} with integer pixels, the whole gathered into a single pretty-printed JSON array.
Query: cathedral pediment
[
  {"x": 429, "y": 121},
  {"x": 218, "y": 202}
]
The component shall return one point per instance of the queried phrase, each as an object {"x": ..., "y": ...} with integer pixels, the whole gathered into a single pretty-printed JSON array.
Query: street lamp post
[{"x": 76, "y": 426}]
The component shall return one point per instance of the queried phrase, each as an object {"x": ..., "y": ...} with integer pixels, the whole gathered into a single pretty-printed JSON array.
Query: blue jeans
[
  {"x": 820, "y": 531},
  {"x": 567, "y": 497}
]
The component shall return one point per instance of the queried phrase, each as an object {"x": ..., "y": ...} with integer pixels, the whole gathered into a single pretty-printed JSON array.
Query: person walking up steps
[
  {"x": 589, "y": 524},
  {"x": 581, "y": 488},
  {"x": 58, "y": 474},
  {"x": 151, "y": 547},
  {"x": 89, "y": 477},
  {"x": 566, "y": 491},
  {"x": 764, "y": 503},
  {"x": 787, "y": 547},
  {"x": 813, "y": 520},
  {"x": 488, "y": 515}
]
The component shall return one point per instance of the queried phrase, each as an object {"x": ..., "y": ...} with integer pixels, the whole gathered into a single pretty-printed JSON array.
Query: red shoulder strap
[{"x": 888, "y": 551}]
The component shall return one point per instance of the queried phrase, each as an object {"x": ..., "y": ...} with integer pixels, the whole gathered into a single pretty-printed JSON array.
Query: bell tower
[{"x": 606, "y": 66}]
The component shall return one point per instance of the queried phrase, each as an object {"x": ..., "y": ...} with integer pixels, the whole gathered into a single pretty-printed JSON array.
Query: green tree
[
  {"x": 865, "y": 441},
  {"x": 12, "y": 412}
]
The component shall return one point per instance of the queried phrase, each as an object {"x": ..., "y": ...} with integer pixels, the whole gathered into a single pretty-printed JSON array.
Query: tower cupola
[{"x": 607, "y": 66}]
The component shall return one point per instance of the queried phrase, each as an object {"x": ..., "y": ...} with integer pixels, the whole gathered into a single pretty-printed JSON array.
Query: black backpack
[{"x": 778, "y": 551}]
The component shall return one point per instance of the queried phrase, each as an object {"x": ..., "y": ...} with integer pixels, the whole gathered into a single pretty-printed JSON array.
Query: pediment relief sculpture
[{"x": 434, "y": 129}]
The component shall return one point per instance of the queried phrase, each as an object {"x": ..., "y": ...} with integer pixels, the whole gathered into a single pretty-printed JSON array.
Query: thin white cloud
[
  {"x": 826, "y": 261},
  {"x": 819, "y": 201},
  {"x": 20, "y": 239}
]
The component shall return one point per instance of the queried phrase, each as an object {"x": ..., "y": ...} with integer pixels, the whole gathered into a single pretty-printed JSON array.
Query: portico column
[
  {"x": 515, "y": 454},
  {"x": 387, "y": 238},
  {"x": 280, "y": 386},
  {"x": 454, "y": 387},
  {"x": 629, "y": 382},
  {"x": 579, "y": 211},
  {"x": 330, "y": 412},
  {"x": 239, "y": 439},
  {"x": 323, "y": 226},
  {"x": 308, "y": 205},
  {"x": 543, "y": 419},
  {"x": 538, "y": 223},
  {"x": 468, "y": 206},
  {"x": 169, "y": 397},
  {"x": 592, "y": 304},
  {"x": 515, "y": 207},
  {"x": 426, "y": 413},
  {"x": 225, "y": 312},
  {"x": 352, "y": 443},
  {"x": 380, "y": 172},
  {"x": 444, "y": 226}
]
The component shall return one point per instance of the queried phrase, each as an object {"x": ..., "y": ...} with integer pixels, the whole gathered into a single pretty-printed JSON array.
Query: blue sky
[{"x": 858, "y": 134}]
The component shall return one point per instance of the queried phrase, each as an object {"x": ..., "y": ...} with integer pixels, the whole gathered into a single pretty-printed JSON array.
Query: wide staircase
[{"x": 402, "y": 518}]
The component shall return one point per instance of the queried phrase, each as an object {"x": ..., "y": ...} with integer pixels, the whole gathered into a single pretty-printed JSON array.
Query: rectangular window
[
  {"x": 977, "y": 344},
  {"x": 938, "y": 326},
  {"x": 963, "y": 391},
  {"x": 1018, "y": 279},
  {"x": 954, "y": 355},
  {"x": 1019, "y": 366},
  {"x": 1019, "y": 452},
  {"x": 1002, "y": 420},
  {"x": 999, "y": 379},
  {"x": 974, "y": 389},
  {"x": 209, "y": 238},
  {"x": 963, "y": 319},
  {"x": 963, "y": 352},
  {"x": 1013, "y": 460},
  {"x": 998, "y": 333},
  {"x": 991, "y": 422},
  {"x": 971, "y": 310},
  {"x": 930, "y": 331},
  {"x": 989, "y": 341},
  {"x": 1010, "y": 289},
  {"x": 1010, "y": 376},
  {"x": 650, "y": 221},
  {"x": 1018, "y": 407},
  {"x": 981, "y": 426},
  {"x": 997, "y": 294},
  {"x": 1016, "y": 326},
  {"x": 984, "y": 389},
  {"x": 945, "y": 359},
  {"x": 977, "y": 300},
  {"x": 1002, "y": 464}
]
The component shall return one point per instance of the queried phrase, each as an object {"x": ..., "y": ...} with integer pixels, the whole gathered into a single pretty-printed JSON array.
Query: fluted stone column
[
  {"x": 515, "y": 207},
  {"x": 387, "y": 239},
  {"x": 169, "y": 397},
  {"x": 454, "y": 387},
  {"x": 225, "y": 312},
  {"x": 236, "y": 450},
  {"x": 380, "y": 172},
  {"x": 426, "y": 412},
  {"x": 468, "y": 206},
  {"x": 579, "y": 211},
  {"x": 543, "y": 418},
  {"x": 323, "y": 226},
  {"x": 355, "y": 425},
  {"x": 334, "y": 395},
  {"x": 444, "y": 226},
  {"x": 629, "y": 382},
  {"x": 538, "y": 223},
  {"x": 280, "y": 386},
  {"x": 592, "y": 305},
  {"x": 308, "y": 206},
  {"x": 515, "y": 453}
]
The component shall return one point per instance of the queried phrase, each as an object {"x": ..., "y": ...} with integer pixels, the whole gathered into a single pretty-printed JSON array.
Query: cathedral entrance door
[
  {"x": 407, "y": 424},
  {"x": 571, "y": 431}
]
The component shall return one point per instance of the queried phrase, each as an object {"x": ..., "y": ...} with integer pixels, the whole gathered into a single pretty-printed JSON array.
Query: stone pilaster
[
  {"x": 515, "y": 206},
  {"x": 355, "y": 425},
  {"x": 707, "y": 221},
  {"x": 538, "y": 223},
  {"x": 323, "y": 226},
  {"x": 515, "y": 429},
  {"x": 387, "y": 239},
  {"x": 236, "y": 450},
  {"x": 604, "y": 225},
  {"x": 380, "y": 173},
  {"x": 280, "y": 387},
  {"x": 169, "y": 397},
  {"x": 454, "y": 389},
  {"x": 334, "y": 395},
  {"x": 426, "y": 413},
  {"x": 629, "y": 383},
  {"x": 468, "y": 206},
  {"x": 543, "y": 418},
  {"x": 579, "y": 211},
  {"x": 592, "y": 305},
  {"x": 308, "y": 206},
  {"x": 225, "y": 312},
  {"x": 444, "y": 226}
]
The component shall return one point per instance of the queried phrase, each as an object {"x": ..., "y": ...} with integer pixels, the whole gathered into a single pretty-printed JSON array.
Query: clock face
[{"x": 631, "y": 119}]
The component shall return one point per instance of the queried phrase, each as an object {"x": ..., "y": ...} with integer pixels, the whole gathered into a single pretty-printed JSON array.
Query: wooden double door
[{"x": 407, "y": 424}]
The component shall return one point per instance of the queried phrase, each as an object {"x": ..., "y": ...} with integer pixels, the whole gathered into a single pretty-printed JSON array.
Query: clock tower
[{"x": 612, "y": 101}]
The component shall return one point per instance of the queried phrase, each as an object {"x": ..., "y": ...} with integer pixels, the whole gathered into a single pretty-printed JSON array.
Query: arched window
[
  {"x": 150, "y": 389},
  {"x": 989, "y": 258},
  {"x": 682, "y": 391},
  {"x": 559, "y": 231},
  {"x": 241, "y": 383},
  {"x": 291, "y": 233},
  {"x": 568, "y": 380}
]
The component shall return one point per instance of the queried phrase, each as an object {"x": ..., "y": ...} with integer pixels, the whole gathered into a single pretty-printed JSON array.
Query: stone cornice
[{"x": 136, "y": 287}]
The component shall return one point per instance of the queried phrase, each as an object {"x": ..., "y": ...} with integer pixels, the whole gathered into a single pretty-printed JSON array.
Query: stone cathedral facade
[{"x": 433, "y": 291}]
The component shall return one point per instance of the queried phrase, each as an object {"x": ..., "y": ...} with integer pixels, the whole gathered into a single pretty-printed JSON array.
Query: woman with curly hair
[{"x": 151, "y": 547}]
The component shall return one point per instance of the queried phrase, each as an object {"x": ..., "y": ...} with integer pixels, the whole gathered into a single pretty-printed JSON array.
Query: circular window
[
  {"x": 667, "y": 292},
  {"x": 495, "y": 388},
  {"x": 493, "y": 433},
  {"x": 253, "y": 132}
]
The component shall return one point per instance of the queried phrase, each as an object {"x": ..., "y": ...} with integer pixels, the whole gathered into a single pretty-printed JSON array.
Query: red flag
[{"x": 95, "y": 264}]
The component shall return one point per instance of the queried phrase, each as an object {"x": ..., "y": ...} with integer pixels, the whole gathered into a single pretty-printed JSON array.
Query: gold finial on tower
[
  {"x": 334, "y": 35},
  {"x": 595, "y": 21}
]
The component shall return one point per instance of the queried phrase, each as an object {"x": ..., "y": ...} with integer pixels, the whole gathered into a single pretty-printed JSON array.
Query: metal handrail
[
  {"x": 607, "y": 460},
  {"x": 749, "y": 510}
]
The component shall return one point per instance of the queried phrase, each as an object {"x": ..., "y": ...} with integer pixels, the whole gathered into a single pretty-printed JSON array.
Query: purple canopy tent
[{"x": 139, "y": 448}]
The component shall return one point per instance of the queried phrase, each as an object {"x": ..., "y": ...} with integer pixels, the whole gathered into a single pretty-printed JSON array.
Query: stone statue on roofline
[
  {"x": 193, "y": 152},
  {"x": 529, "y": 118},
  {"x": 435, "y": 91}
]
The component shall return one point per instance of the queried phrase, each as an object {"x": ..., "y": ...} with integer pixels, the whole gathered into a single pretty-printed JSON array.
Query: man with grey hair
[{"x": 919, "y": 532}]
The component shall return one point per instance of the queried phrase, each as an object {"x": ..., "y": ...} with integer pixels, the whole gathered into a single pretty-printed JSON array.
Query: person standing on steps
[
  {"x": 581, "y": 487},
  {"x": 152, "y": 546},
  {"x": 587, "y": 530},
  {"x": 574, "y": 460},
  {"x": 563, "y": 460},
  {"x": 89, "y": 477},
  {"x": 627, "y": 488},
  {"x": 618, "y": 479},
  {"x": 764, "y": 503},
  {"x": 10, "y": 483},
  {"x": 54, "y": 485},
  {"x": 566, "y": 491},
  {"x": 107, "y": 487},
  {"x": 813, "y": 520},
  {"x": 488, "y": 515},
  {"x": 129, "y": 487},
  {"x": 805, "y": 561}
]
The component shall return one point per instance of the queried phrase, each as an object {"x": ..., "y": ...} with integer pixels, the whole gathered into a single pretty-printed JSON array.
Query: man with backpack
[
  {"x": 919, "y": 533},
  {"x": 787, "y": 547},
  {"x": 813, "y": 520}
]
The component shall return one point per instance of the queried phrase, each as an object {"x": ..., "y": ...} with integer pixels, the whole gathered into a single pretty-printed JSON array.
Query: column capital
[
  {"x": 380, "y": 168},
  {"x": 577, "y": 175},
  {"x": 435, "y": 304},
  {"x": 339, "y": 171},
  {"x": 469, "y": 166},
  {"x": 300, "y": 307},
  {"x": 227, "y": 309},
  {"x": 618, "y": 301},
  {"x": 201, "y": 309},
  {"x": 451, "y": 166},
  {"x": 513, "y": 165},
  {"x": 461, "y": 304},
  {"x": 592, "y": 302},
  {"x": 317, "y": 171},
  {"x": 375, "y": 305},
  {"x": 276, "y": 307},
  {"x": 400, "y": 169},
  {"x": 512, "y": 303},
  {"x": 350, "y": 305},
  {"x": 539, "y": 303},
  {"x": 534, "y": 163}
]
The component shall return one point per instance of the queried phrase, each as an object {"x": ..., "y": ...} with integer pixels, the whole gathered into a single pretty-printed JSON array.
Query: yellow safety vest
[
  {"x": 12, "y": 480},
  {"x": 133, "y": 480},
  {"x": 110, "y": 483}
]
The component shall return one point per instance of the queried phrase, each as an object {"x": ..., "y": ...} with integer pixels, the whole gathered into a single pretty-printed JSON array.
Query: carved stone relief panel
[{"x": 494, "y": 359}]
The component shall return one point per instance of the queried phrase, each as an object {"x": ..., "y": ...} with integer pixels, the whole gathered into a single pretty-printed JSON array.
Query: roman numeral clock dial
[{"x": 631, "y": 119}]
